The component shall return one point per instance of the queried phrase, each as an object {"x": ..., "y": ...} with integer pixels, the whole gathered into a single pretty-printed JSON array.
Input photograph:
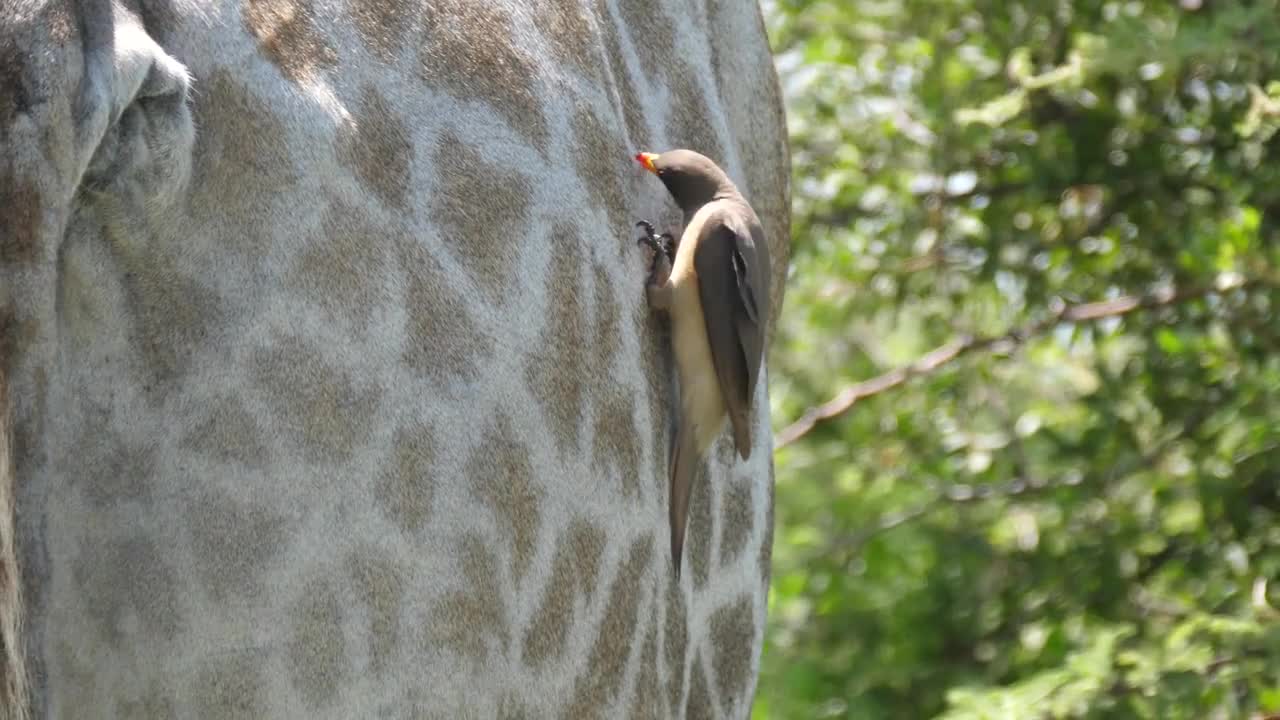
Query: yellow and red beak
[{"x": 646, "y": 159}]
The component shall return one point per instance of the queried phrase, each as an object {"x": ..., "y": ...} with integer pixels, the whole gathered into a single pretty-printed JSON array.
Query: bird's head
[{"x": 692, "y": 178}]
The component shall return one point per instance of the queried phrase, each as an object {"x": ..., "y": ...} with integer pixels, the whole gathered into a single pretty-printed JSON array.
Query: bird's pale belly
[{"x": 700, "y": 396}]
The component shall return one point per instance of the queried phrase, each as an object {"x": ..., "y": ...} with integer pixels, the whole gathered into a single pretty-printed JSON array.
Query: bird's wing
[{"x": 735, "y": 304}]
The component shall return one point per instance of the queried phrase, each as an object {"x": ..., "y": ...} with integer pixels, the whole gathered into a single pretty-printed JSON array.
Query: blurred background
[{"x": 1026, "y": 386}]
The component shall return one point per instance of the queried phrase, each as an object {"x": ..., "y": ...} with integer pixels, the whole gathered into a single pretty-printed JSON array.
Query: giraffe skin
[{"x": 327, "y": 385}]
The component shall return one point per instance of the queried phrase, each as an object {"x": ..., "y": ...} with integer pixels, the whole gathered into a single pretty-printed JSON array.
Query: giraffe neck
[{"x": 330, "y": 374}]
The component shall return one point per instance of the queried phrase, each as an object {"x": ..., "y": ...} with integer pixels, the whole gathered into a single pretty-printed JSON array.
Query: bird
[{"x": 714, "y": 285}]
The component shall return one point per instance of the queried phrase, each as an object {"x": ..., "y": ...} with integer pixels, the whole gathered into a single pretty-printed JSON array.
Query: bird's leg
[
  {"x": 658, "y": 286},
  {"x": 659, "y": 295}
]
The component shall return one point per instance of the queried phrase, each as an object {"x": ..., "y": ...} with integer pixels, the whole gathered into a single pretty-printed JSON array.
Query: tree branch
[{"x": 1059, "y": 312}]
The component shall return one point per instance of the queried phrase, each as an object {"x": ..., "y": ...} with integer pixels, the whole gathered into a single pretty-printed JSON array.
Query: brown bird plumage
[{"x": 715, "y": 286}]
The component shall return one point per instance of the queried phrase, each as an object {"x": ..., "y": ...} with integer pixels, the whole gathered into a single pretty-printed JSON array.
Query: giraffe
[{"x": 327, "y": 384}]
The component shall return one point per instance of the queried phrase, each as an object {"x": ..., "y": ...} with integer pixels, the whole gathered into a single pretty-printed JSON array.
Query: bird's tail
[{"x": 684, "y": 470}]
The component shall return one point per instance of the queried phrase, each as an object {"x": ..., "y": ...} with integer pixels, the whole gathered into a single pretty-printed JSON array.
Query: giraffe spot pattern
[
  {"x": 406, "y": 489},
  {"x": 110, "y": 468},
  {"x": 233, "y": 544},
  {"x": 155, "y": 703},
  {"x": 227, "y": 688},
  {"x": 341, "y": 270},
  {"x": 469, "y": 48},
  {"x": 651, "y": 36},
  {"x": 710, "y": 8},
  {"x": 317, "y": 659},
  {"x": 512, "y": 709},
  {"x": 472, "y": 622},
  {"x": 174, "y": 316},
  {"x": 675, "y": 643},
  {"x": 382, "y": 25},
  {"x": 14, "y": 95},
  {"x": 700, "y": 705},
  {"x": 600, "y": 157},
  {"x": 598, "y": 687},
  {"x": 608, "y": 339},
  {"x": 484, "y": 209},
  {"x": 28, "y": 436},
  {"x": 78, "y": 673},
  {"x": 568, "y": 30},
  {"x": 689, "y": 115},
  {"x": 586, "y": 546},
  {"x": 380, "y": 584},
  {"x": 375, "y": 146},
  {"x": 644, "y": 701},
  {"x": 733, "y": 645},
  {"x": 317, "y": 404},
  {"x": 22, "y": 203},
  {"x": 444, "y": 343},
  {"x": 287, "y": 35},
  {"x": 556, "y": 374},
  {"x": 239, "y": 164},
  {"x": 614, "y": 436},
  {"x": 614, "y": 431},
  {"x": 503, "y": 480},
  {"x": 573, "y": 572},
  {"x": 16, "y": 334},
  {"x": 229, "y": 433},
  {"x": 128, "y": 585},
  {"x": 20, "y": 212},
  {"x": 736, "y": 519},
  {"x": 765, "y": 557},
  {"x": 81, "y": 291},
  {"x": 161, "y": 19},
  {"x": 701, "y": 524},
  {"x": 626, "y": 98}
]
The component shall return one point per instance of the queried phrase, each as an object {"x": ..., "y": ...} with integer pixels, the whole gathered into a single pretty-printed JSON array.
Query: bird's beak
[{"x": 646, "y": 159}]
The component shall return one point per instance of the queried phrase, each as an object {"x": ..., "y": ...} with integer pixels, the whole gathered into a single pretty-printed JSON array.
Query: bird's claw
[
  {"x": 663, "y": 243},
  {"x": 650, "y": 236}
]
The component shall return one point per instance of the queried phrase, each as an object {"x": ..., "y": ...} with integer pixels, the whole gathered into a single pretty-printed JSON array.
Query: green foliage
[{"x": 1078, "y": 521}]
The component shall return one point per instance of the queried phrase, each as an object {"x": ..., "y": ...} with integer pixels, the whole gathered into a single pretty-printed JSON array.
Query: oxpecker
[{"x": 714, "y": 285}]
